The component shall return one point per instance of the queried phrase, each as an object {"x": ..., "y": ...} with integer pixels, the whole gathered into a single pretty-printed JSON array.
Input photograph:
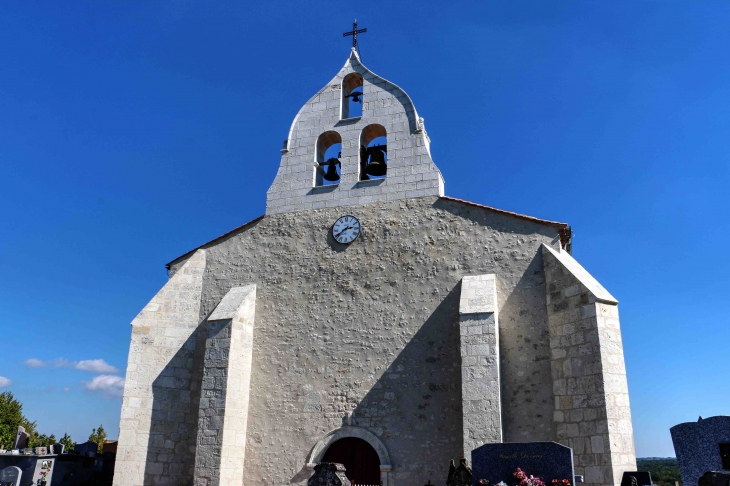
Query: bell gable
[{"x": 358, "y": 140}]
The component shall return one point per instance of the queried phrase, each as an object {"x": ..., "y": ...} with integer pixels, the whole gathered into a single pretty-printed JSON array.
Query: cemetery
[{"x": 53, "y": 466}]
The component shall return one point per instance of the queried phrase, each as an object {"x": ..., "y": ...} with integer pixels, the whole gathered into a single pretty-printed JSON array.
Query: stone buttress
[{"x": 592, "y": 413}]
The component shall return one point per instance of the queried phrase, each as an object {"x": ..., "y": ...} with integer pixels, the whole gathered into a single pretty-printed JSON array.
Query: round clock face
[{"x": 346, "y": 229}]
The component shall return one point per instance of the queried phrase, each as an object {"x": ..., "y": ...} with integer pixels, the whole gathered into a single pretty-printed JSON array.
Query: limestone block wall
[
  {"x": 159, "y": 408},
  {"x": 223, "y": 413},
  {"x": 370, "y": 332},
  {"x": 411, "y": 172},
  {"x": 480, "y": 377},
  {"x": 592, "y": 413}
]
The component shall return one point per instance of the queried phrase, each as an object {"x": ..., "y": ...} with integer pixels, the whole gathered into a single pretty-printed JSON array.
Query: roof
[
  {"x": 563, "y": 228},
  {"x": 517, "y": 215},
  {"x": 221, "y": 237}
]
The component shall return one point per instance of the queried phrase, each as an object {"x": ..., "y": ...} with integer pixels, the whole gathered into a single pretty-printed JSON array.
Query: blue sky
[{"x": 131, "y": 132}]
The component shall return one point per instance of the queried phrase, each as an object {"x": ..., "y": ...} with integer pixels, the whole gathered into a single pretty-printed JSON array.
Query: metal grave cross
[{"x": 354, "y": 33}]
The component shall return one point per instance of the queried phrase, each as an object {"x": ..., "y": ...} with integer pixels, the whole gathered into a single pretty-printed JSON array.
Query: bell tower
[{"x": 358, "y": 140}]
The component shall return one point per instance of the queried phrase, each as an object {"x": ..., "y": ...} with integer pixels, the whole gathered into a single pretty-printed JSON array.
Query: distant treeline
[{"x": 664, "y": 471}]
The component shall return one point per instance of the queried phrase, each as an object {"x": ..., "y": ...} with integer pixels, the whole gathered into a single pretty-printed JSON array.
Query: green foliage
[
  {"x": 67, "y": 443},
  {"x": 98, "y": 436},
  {"x": 664, "y": 471},
  {"x": 11, "y": 417}
]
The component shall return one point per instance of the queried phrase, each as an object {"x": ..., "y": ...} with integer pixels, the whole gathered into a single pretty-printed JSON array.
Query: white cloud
[
  {"x": 95, "y": 366},
  {"x": 92, "y": 365},
  {"x": 60, "y": 363},
  {"x": 34, "y": 363},
  {"x": 66, "y": 389},
  {"x": 108, "y": 385},
  {"x": 4, "y": 382}
]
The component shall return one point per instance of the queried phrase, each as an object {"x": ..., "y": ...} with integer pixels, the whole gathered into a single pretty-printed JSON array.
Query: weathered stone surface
[
  {"x": 159, "y": 418},
  {"x": 223, "y": 412},
  {"x": 592, "y": 414},
  {"x": 697, "y": 445},
  {"x": 544, "y": 460},
  {"x": 328, "y": 474},
  {"x": 372, "y": 329},
  {"x": 480, "y": 377}
]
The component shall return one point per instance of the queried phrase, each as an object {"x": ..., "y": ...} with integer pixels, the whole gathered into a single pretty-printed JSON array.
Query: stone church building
[{"x": 369, "y": 319}]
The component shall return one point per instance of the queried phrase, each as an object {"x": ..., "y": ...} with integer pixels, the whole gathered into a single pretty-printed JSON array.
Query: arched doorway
[{"x": 361, "y": 461}]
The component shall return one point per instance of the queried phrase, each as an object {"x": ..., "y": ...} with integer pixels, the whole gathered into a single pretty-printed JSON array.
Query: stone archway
[
  {"x": 362, "y": 465},
  {"x": 320, "y": 448}
]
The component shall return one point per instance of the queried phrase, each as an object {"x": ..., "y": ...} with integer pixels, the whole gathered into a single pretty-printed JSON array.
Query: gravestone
[
  {"x": 545, "y": 460},
  {"x": 21, "y": 439},
  {"x": 329, "y": 474},
  {"x": 459, "y": 476},
  {"x": 10, "y": 476},
  {"x": 715, "y": 478},
  {"x": 636, "y": 478},
  {"x": 87, "y": 448},
  {"x": 699, "y": 447}
]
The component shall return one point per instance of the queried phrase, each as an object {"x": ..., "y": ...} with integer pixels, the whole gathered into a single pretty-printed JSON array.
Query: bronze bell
[
  {"x": 331, "y": 174},
  {"x": 377, "y": 166}
]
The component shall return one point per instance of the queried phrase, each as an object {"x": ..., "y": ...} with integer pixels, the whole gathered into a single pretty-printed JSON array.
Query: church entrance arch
[
  {"x": 326, "y": 450},
  {"x": 362, "y": 465}
]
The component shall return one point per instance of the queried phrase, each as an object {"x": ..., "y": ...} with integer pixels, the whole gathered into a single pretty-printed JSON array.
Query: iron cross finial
[{"x": 354, "y": 33}]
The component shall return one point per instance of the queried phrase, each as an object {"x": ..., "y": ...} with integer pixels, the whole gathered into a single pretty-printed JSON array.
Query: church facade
[{"x": 368, "y": 319}]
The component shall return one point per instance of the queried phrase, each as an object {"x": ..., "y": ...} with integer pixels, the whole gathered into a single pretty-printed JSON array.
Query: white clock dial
[{"x": 346, "y": 229}]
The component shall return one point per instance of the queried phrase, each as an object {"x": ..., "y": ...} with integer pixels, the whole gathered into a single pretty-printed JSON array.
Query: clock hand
[{"x": 348, "y": 228}]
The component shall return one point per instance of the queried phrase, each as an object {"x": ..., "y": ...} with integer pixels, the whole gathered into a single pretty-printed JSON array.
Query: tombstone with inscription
[
  {"x": 10, "y": 476},
  {"x": 636, "y": 478},
  {"x": 702, "y": 446},
  {"x": 545, "y": 460},
  {"x": 329, "y": 474}
]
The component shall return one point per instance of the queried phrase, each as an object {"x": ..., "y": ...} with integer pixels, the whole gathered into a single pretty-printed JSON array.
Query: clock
[{"x": 346, "y": 229}]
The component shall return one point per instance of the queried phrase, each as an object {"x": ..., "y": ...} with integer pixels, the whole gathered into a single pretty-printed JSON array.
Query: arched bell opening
[
  {"x": 352, "y": 96},
  {"x": 327, "y": 153},
  {"x": 361, "y": 461},
  {"x": 373, "y": 152}
]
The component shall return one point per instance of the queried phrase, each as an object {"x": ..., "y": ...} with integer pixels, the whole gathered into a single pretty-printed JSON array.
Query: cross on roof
[{"x": 354, "y": 33}]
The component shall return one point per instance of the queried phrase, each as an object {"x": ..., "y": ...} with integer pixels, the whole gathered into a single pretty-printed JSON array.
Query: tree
[
  {"x": 98, "y": 436},
  {"x": 67, "y": 443},
  {"x": 11, "y": 417}
]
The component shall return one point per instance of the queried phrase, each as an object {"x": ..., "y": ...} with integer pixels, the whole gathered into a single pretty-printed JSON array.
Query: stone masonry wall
[
  {"x": 223, "y": 415},
  {"x": 592, "y": 413},
  {"x": 372, "y": 329},
  {"x": 411, "y": 172},
  {"x": 159, "y": 408},
  {"x": 480, "y": 377}
]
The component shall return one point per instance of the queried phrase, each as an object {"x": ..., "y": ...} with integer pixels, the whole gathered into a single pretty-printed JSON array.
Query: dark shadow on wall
[
  {"x": 175, "y": 403},
  {"x": 527, "y": 399},
  {"x": 415, "y": 406}
]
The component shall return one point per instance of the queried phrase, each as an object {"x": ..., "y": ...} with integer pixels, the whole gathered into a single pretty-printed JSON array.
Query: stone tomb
[
  {"x": 698, "y": 446},
  {"x": 545, "y": 460},
  {"x": 636, "y": 478}
]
